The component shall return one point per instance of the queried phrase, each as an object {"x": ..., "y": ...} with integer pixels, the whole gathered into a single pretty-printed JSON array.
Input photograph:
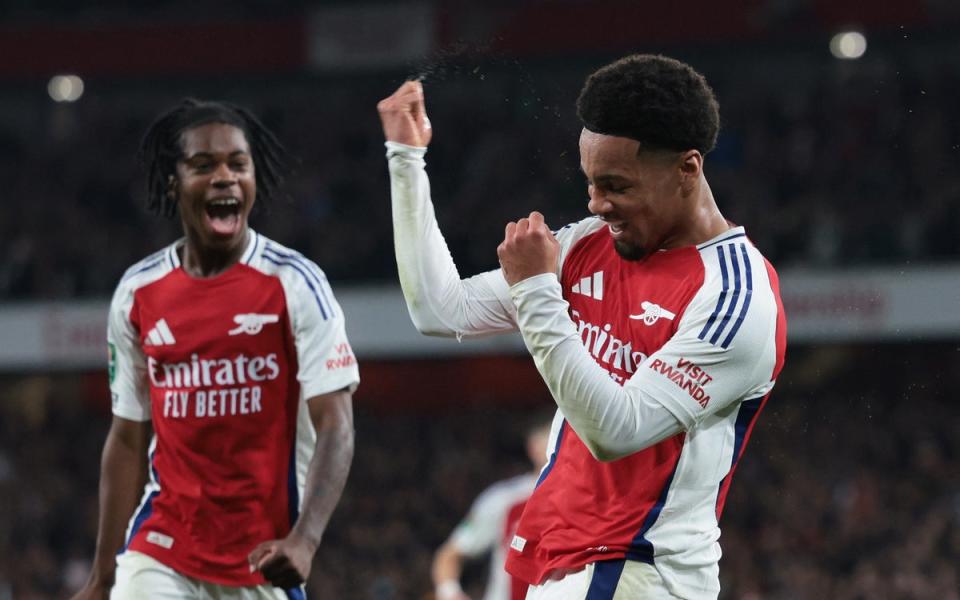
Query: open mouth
[{"x": 223, "y": 215}]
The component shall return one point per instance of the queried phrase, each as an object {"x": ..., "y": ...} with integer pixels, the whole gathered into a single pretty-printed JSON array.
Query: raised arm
[{"x": 440, "y": 303}]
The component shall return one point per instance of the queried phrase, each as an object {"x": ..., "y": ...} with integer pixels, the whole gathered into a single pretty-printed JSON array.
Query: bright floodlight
[
  {"x": 848, "y": 45},
  {"x": 65, "y": 88}
]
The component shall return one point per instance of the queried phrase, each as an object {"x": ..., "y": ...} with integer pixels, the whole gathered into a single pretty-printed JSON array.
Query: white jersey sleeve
[
  {"x": 693, "y": 375},
  {"x": 129, "y": 386},
  {"x": 709, "y": 364},
  {"x": 439, "y": 301},
  {"x": 324, "y": 356},
  {"x": 477, "y": 533},
  {"x": 612, "y": 421},
  {"x": 130, "y": 397}
]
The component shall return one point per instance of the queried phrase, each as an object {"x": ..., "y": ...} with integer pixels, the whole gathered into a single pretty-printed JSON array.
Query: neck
[
  {"x": 708, "y": 221},
  {"x": 203, "y": 261},
  {"x": 705, "y": 221}
]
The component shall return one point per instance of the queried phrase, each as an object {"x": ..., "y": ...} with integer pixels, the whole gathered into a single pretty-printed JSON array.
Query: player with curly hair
[{"x": 655, "y": 322}]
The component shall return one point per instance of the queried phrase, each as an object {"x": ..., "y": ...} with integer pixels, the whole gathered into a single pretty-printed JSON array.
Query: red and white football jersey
[
  {"x": 702, "y": 331},
  {"x": 662, "y": 364},
  {"x": 223, "y": 367}
]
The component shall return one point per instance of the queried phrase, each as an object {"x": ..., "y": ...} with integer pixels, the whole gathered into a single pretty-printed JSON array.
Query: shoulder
[
  {"x": 148, "y": 270},
  {"x": 570, "y": 235},
  {"x": 735, "y": 268},
  {"x": 572, "y": 232},
  {"x": 274, "y": 258},
  {"x": 301, "y": 277},
  {"x": 740, "y": 296}
]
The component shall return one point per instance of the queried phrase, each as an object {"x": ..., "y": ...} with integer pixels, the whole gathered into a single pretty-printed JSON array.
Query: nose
[
  {"x": 597, "y": 203},
  {"x": 223, "y": 177}
]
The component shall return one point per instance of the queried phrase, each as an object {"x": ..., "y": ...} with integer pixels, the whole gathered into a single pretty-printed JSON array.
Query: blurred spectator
[{"x": 827, "y": 163}]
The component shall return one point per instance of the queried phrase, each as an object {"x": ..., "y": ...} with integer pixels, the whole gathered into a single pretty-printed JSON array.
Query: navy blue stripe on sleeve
[
  {"x": 295, "y": 267},
  {"x": 313, "y": 274},
  {"x": 733, "y": 299},
  {"x": 746, "y": 299},
  {"x": 723, "y": 293}
]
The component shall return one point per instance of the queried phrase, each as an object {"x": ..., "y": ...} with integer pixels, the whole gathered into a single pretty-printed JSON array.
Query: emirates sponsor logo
[
  {"x": 607, "y": 348},
  {"x": 215, "y": 371},
  {"x": 216, "y": 387}
]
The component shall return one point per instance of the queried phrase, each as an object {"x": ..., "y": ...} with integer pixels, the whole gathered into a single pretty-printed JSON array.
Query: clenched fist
[
  {"x": 528, "y": 248},
  {"x": 404, "y": 116}
]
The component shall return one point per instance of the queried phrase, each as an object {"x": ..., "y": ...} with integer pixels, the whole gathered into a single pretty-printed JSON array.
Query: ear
[{"x": 691, "y": 167}]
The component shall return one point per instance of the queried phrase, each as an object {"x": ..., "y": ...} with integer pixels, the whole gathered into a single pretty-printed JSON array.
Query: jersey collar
[
  {"x": 253, "y": 244},
  {"x": 730, "y": 234}
]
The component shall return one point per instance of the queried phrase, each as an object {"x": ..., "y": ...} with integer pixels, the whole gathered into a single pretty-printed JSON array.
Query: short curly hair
[{"x": 659, "y": 101}]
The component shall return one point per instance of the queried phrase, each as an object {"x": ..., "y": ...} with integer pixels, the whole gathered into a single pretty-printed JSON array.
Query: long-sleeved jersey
[{"x": 659, "y": 367}]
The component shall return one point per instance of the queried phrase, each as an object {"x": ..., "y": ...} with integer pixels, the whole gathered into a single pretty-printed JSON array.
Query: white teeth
[{"x": 224, "y": 202}]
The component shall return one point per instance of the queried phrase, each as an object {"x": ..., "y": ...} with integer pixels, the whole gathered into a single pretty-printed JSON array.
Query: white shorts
[
  {"x": 141, "y": 577},
  {"x": 606, "y": 580}
]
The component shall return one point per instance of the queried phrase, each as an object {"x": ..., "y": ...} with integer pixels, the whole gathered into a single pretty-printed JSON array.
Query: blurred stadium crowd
[
  {"x": 850, "y": 489},
  {"x": 827, "y": 163}
]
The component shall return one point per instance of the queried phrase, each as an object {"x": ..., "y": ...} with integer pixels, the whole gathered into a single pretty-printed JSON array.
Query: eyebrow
[{"x": 609, "y": 178}]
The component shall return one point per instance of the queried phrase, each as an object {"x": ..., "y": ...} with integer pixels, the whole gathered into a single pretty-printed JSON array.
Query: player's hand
[
  {"x": 528, "y": 248},
  {"x": 284, "y": 563},
  {"x": 404, "y": 116}
]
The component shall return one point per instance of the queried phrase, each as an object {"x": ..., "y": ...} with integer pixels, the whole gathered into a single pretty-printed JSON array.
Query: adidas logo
[
  {"x": 160, "y": 335},
  {"x": 590, "y": 286}
]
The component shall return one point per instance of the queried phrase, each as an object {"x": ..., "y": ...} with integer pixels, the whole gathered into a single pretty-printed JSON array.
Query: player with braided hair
[
  {"x": 161, "y": 149},
  {"x": 231, "y": 379}
]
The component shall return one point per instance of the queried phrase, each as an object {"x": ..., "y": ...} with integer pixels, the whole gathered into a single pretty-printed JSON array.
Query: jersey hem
[
  {"x": 309, "y": 391},
  {"x": 246, "y": 579},
  {"x": 131, "y": 415}
]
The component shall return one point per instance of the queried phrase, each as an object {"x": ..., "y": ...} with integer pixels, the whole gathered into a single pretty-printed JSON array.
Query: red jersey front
[
  {"x": 223, "y": 366},
  {"x": 701, "y": 331}
]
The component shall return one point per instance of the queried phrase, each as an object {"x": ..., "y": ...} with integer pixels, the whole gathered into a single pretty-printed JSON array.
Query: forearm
[
  {"x": 326, "y": 478},
  {"x": 611, "y": 420},
  {"x": 123, "y": 474},
  {"x": 447, "y": 565},
  {"x": 440, "y": 303}
]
